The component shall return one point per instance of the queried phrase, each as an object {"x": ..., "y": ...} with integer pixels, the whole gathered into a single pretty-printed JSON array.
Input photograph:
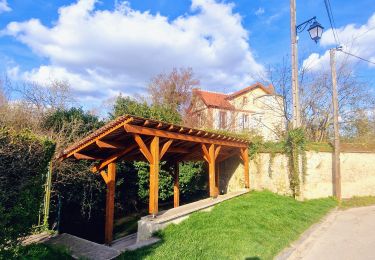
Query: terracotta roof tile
[
  {"x": 212, "y": 99},
  {"x": 221, "y": 100}
]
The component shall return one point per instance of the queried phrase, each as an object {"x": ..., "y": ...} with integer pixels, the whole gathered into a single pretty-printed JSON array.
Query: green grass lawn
[
  {"x": 36, "y": 251},
  {"x": 257, "y": 225}
]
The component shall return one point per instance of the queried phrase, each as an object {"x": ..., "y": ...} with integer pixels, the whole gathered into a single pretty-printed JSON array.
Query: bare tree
[
  {"x": 315, "y": 96},
  {"x": 31, "y": 102},
  {"x": 173, "y": 89}
]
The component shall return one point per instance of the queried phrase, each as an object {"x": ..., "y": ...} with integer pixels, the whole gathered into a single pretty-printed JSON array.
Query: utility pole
[
  {"x": 293, "y": 35},
  {"x": 336, "y": 157}
]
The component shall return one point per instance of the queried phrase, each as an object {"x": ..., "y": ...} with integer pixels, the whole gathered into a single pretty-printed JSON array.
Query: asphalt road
[{"x": 344, "y": 234}]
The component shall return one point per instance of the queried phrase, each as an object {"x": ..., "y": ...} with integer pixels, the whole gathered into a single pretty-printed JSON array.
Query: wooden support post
[
  {"x": 217, "y": 192},
  {"x": 210, "y": 156},
  {"x": 245, "y": 160},
  {"x": 154, "y": 176},
  {"x": 211, "y": 171},
  {"x": 176, "y": 186},
  {"x": 110, "y": 202}
]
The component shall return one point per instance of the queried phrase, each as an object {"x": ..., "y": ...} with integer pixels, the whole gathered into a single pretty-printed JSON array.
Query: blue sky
[{"x": 104, "y": 48}]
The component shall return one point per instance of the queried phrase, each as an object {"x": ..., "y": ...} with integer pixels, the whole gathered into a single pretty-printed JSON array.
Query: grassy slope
[
  {"x": 36, "y": 251},
  {"x": 254, "y": 226},
  {"x": 358, "y": 202}
]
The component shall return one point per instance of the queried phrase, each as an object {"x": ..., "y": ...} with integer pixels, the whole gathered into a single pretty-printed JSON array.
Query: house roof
[
  {"x": 269, "y": 90},
  {"x": 221, "y": 100},
  {"x": 213, "y": 99}
]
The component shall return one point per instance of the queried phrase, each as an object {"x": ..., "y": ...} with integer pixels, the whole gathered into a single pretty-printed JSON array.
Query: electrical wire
[
  {"x": 353, "y": 55},
  {"x": 364, "y": 33},
  {"x": 331, "y": 21}
]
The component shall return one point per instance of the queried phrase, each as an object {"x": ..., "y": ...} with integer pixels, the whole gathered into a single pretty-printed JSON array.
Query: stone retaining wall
[{"x": 271, "y": 172}]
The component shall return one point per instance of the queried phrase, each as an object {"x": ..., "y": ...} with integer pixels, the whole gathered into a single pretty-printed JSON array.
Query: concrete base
[{"x": 149, "y": 224}]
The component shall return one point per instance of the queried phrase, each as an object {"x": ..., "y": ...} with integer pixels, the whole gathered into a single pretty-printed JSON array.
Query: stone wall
[{"x": 271, "y": 172}]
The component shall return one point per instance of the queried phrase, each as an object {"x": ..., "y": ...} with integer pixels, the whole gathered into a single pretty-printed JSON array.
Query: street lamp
[{"x": 315, "y": 30}]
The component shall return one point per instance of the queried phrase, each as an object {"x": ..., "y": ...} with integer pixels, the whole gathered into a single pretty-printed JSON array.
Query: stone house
[{"x": 256, "y": 108}]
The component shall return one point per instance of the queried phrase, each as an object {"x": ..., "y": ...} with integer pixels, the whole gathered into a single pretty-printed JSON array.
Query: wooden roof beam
[
  {"x": 80, "y": 156},
  {"x": 109, "y": 144},
  {"x": 129, "y": 120},
  {"x": 113, "y": 158},
  {"x": 173, "y": 135},
  {"x": 178, "y": 150}
]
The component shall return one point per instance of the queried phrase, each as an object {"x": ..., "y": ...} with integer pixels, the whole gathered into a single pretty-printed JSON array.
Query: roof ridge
[{"x": 214, "y": 92}]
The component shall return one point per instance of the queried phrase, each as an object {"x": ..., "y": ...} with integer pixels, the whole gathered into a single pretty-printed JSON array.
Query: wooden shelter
[{"x": 131, "y": 138}]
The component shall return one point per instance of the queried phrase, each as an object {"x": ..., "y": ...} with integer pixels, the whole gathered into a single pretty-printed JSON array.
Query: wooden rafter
[
  {"x": 81, "y": 156},
  {"x": 173, "y": 135},
  {"x": 109, "y": 144},
  {"x": 119, "y": 126},
  {"x": 113, "y": 158},
  {"x": 178, "y": 150}
]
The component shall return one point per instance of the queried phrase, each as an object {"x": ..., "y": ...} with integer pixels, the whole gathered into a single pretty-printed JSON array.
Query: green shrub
[{"x": 23, "y": 164}]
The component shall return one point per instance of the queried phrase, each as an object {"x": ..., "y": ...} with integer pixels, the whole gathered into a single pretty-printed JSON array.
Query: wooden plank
[
  {"x": 142, "y": 146},
  {"x": 109, "y": 145},
  {"x": 154, "y": 177},
  {"x": 176, "y": 186},
  {"x": 174, "y": 135},
  {"x": 165, "y": 148},
  {"x": 112, "y": 158},
  {"x": 80, "y": 156},
  {"x": 110, "y": 203}
]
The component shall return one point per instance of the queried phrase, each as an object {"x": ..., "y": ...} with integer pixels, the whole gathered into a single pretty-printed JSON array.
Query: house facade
[{"x": 256, "y": 108}]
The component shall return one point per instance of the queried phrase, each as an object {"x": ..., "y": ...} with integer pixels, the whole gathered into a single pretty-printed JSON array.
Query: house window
[
  {"x": 245, "y": 121},
  {"x": 223, "y": 119},
  {"x": 199, "y": 119},
  {"x": 244, "y": 101}
]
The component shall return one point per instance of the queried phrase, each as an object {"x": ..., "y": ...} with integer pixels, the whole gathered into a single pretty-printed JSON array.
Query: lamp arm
[{"x": 301, "y": 27}]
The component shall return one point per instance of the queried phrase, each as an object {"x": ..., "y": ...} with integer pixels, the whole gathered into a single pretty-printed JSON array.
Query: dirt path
[{"x": 344, "y": 234}]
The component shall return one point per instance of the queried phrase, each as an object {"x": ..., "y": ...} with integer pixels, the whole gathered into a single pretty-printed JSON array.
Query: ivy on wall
[{"x": 294, "y": 147}]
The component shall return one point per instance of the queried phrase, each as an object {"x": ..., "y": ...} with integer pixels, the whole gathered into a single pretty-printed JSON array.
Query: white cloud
[
  {"x": 356, "y": 39},
  {"x": 111, "y": 51},
  {"x": 4, "y": 7},
  {"x": 259, "y": 11}
]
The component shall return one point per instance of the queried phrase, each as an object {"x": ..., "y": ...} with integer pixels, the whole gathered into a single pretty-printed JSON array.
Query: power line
[
  {"x": 362, "y": 34},
  {"x": 331, "y": 20},
  {"x": 351, "y": 54}
]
